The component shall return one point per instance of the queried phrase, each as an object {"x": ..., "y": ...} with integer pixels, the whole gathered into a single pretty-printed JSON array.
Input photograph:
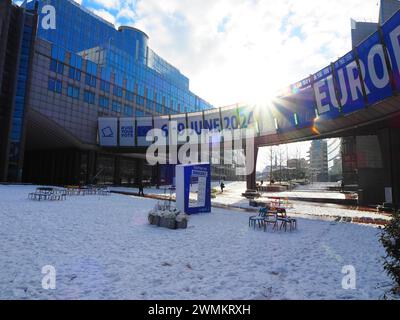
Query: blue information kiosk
[{"x": 193, "y": 179}]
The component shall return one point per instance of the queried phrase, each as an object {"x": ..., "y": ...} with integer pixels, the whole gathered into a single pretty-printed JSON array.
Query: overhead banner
[
  {"x": 246, "y": 117},
  {"x": 162, "y": 124},
  {"x": 349, "y": 82},
  {"x": 127, "y": 132},
  {"x": 212, "y": 120},
  {"x": 325, "y": 95},
  {"x": 230, "y": 118},
  {"x": 391, "y": 31},
  {"x": 301, "y": 101},
  {"x": 265, "y": 119},
  {"x": 108, "y": 132},
  {"x": 178, "y": 124},
  {"x": 283, "y": 115},
  {"x": 374, "y": 69},
  {"x": 195, "y": 122},
  {"x": 144, "y": 125}
]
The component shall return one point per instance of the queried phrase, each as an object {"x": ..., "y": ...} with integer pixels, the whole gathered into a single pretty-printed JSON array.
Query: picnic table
[
  {"x": 48, "y": 193},
  {"x": 87, "y": 190}
]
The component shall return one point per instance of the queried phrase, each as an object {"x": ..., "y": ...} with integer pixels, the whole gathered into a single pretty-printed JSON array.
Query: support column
[
  {"x": 252, "y": 178},
  {"x": 390, "y": 148},
  {"x": 117, "y": 170},
  {"x": 158, "y": 175},
  {"x": 139, "y": 170},
  {"x": 91, "y": 163}
]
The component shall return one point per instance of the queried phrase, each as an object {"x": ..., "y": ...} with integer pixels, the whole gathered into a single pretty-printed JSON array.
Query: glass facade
[
  {"x": 18, "y": 113},
  {"x": 118, "y": 61}
]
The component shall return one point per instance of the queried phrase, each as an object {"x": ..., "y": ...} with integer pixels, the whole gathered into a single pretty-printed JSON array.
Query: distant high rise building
[
  {"x": 335, "y": 172},
  {"x": 361, "y": 30},
  {"x": 319, "y": 161},
  {"x": 387, "y": 9}
]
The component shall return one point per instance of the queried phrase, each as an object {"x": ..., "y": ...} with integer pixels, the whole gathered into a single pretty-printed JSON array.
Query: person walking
[
  {"x": 222, "y": 185},
  {"x": 140, "y": 186}
]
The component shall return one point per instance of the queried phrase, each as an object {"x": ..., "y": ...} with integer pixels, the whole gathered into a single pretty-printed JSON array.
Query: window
[
  {"x": 159, "y": 108},
  {"x": 73, "y": 92},
  {"x": 128, "y": 110},
  {"x": 117, "y": 91},
  {"x": 104, "y": 86},
  {"x": 129, "y": 96},
  {"x": 116, "y": 106},
  {"x": 51, "y": 84},
  {"x": 53, "y": 65},
  {"x": 56, "y": 66},
  {"x": 89, "y": 97},
  {"x": 140, "y": 101},
  {"x": 74, "y": 73},
  {"x": 103, "y": 102},
  {"x": 55, "y": 85},
  {"x": 149, "y": 105},
  {"x": 91, "y": 80}
]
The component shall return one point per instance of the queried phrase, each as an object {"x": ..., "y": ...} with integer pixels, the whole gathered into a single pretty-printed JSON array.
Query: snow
[
  {"x": 232, "y": 197},
  {"x": 103, "y": 248},
  {"x": 308, "y": 194}
]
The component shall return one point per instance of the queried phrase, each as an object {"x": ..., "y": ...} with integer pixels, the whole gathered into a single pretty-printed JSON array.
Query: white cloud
[
  {"x": 263, "y": 46},
  {"x": 108, "y": 4},
  {"x": 104, "y": 14}
]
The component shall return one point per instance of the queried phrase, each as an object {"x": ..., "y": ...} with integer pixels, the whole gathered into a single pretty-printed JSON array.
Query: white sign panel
[
  {"x": 127, "y": 132},
  {"x": 162, "y": 123},
  {"x": 178, "y": 124},
  {"x": 212, "y": 120},
  {"x": 108, "y": 131},
  {"x": 195, "y": 122},
  {"x": 230, "y": 120},
  {"x": 143, "y": 126},
  {"x": 265, "y": 120}
]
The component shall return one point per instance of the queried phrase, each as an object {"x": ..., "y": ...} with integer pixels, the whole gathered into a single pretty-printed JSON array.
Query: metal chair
[
  {"x": 285, "y": 221},
  {"x": 271, "y": 218},
  {"x": 258, "y": 219}
]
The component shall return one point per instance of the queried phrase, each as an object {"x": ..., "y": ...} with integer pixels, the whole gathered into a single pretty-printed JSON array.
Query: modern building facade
[
  {"x": 81, "y": 70},
  {"x": 318, "y": 153},
  {"x": 17, "y": 31}
]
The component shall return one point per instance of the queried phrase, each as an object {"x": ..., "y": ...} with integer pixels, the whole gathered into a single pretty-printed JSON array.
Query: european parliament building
[{"x": 56, "y": 81}]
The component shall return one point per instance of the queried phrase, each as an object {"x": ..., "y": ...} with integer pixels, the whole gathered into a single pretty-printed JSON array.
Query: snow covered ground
[
  {"x": 232, "y": 197},
  {"x": 103, "y": 248}
]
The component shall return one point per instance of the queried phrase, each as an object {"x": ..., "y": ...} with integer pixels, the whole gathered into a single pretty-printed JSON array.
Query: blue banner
[
  {"x": 374, "y": 70},
  {"x": 302, "y": 103},
  {"x": 349, "y": 83},
  {"x": 283, "y": 115},
  {"x": 391, "y": 31},
  {"x": 325, "y": 95}
]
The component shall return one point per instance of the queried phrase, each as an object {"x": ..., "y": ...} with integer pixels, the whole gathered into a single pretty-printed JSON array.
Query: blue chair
[
  {"x": 285, "y": 221},
  {"x": 258, "y": 219},
  {"x": 271, "y": 218}
]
